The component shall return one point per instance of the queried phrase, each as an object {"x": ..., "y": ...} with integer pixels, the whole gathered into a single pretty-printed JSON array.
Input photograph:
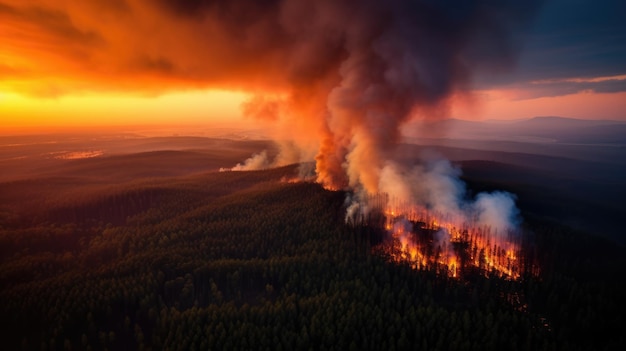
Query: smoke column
[
  {"x": 401, "y": 59},
  {"x": 352, "y": 72}
]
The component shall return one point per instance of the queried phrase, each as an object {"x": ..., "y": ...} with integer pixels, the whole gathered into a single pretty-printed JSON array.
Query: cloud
[
  {"x": 158, "y": 46},
  {"x": 568, "y": 39},
  {"x": 48, "y": 24},
  {"x": 140, "y": 45},
  {"x": 568, "y": 86}
]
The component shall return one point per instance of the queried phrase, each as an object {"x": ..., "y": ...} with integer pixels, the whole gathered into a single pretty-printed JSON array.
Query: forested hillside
[{"x": 243, "y": 260}]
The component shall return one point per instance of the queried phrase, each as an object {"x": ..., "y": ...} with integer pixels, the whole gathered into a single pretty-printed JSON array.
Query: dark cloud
[
  {"x": 276, "y": 44},
  {"x": 609, "y": 86},
  {"x": 571, "y": 39},
  {"x": 245, "y": 11},
  {"x": 551, "y": 88}
]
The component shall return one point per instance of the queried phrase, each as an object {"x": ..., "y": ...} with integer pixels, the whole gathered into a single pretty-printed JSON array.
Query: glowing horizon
[
  {"x": 195, "y": 107},
  {"x": 214, "y": 107},
  {"x": 68, "y": 64}
]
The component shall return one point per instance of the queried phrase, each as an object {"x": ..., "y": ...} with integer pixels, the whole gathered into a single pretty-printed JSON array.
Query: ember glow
[
  {"x": 428, "y": 240},
  {"x": 76, "y": 155},
  {"x": 449, "y": 248}
]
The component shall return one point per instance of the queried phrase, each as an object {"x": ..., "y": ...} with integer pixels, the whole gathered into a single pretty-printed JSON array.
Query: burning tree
[{"x": 428, "y": 240}]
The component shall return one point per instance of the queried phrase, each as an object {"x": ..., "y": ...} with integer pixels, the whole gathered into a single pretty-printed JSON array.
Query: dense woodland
[{"x": 241, "y": 260}]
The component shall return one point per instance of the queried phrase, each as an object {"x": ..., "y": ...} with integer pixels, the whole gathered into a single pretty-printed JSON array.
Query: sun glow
[
  {"x": 518, "y": 103},
  {"x": 186, "y": 107}
]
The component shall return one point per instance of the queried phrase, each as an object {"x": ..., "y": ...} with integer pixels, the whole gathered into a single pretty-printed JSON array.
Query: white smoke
[
  {"x": 436, "y": 187},
  {"x": 288, "y": 153},
  {"x": 356, "y": 207},
  {"x": 497, "y": 210},
  {"x": 255, "y": 162}
]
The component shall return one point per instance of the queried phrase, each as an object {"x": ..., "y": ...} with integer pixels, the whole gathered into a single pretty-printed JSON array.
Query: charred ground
[{"x": 190, "y": 258}]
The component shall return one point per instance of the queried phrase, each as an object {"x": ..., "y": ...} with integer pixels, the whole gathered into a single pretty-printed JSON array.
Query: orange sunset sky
[{"x": 70, "y": 63}]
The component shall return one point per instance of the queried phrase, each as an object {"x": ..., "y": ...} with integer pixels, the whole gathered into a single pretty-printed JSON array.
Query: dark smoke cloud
[
  {"x": 365, "y": 67},
  {"x": 399, "y": 59}
]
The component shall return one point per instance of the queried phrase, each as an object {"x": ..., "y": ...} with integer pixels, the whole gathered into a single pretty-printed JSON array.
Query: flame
[{"x": 429, "y": 240}]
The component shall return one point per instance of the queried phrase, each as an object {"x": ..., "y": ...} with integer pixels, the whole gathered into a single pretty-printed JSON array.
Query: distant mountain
[
  {"x": 553, "y": 122},
  {"x": 570, "y": 130}
]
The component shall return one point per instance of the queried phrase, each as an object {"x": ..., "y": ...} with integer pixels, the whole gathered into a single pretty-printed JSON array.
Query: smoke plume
[
  {"x": 355, "y": 71},
  {"x": 497, "y": 210},
  {"x": 435, "y": 187},
  {"x": 255, "y": 162}
]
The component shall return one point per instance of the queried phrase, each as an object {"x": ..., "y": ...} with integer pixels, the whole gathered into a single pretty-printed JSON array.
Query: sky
[{"x": 123, "y": 62}]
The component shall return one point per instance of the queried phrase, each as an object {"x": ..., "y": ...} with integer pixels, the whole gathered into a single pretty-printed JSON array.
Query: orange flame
[{"x": 431, "y": 241}]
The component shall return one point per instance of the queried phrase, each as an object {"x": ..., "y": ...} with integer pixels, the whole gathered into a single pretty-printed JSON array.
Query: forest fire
[
  {"x": 346, "y": 107},
  {"x": 431, "y": 241}
]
